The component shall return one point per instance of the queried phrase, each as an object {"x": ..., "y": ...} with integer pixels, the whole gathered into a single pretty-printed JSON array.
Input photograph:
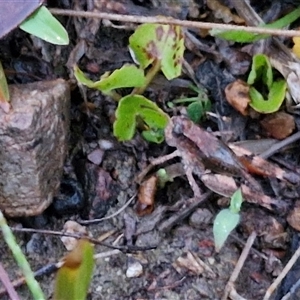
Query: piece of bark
[{"x": 33, "y": 146}]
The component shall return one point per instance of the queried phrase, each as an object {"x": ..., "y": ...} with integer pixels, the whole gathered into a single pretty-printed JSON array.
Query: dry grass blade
[{"x": 8, "y": 284}]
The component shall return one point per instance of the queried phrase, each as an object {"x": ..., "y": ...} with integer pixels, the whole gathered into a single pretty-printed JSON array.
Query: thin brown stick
[
  {"x": 281, "y": 144},
  {"x": 154, "y": 162},
  {"x": 239, "y": 265},
  {"x": 171, "y": 21},
  {"x": 124, "y": 249},
  {"x": 93, "y": 221},
  {"x": 8, "y": 284},
  {"x": 189, "y": 206},
  {"x": 278, "y": 280}
]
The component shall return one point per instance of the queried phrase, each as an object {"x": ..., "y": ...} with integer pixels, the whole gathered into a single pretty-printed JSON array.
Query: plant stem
[
  {"x": 114, "y": 95},
  {"x": 149, "y": 77},
  {"x": 21, "y": 260}
]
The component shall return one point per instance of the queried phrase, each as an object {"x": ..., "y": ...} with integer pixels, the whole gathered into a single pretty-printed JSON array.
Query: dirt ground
[{"x": 176, "y": 260}]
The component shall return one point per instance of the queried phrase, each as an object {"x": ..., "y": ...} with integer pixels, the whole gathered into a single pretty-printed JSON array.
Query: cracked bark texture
[{"x": 33, "y": 146}]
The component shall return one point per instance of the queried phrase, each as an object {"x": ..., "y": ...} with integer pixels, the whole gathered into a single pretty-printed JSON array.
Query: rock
[
  {"x": 33, "y": 146},
  {"x": 134, "y": 268},
  {"x": 72, "y": 227}
]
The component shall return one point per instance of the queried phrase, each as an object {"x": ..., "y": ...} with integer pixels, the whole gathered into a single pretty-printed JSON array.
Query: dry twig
[
  {"x": 171, "y": 21},
  {"x": 230, "y": 284},
  {"x": 278, "y": 280}
]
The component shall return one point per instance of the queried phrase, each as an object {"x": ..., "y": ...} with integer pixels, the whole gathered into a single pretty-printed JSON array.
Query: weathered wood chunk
[{"x": 33, "y": 146}]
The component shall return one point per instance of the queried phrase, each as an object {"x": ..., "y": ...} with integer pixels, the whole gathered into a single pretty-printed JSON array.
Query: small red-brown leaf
[
  {"x": 279, "y": 125},
  {"x": 237, "y": 94},
  {"x": 146, "y": 196}
]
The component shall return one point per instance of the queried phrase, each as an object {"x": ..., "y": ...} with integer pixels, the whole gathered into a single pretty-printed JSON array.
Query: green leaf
[
  {"x": 81, "y": 78},
  {"x": 238, "y": 36},
  {"x": 163, "y": 177},
  {"x": 127, "y": 76},
  {"x": 43, "y": 25},
  {"x": 224, "y": 223},
  {"x": 275, "y": 98},
  {"x": 236, "y": 201},
  {"x": 130, "y": 108},
  {"x": 261, "y": 70},
  {"x": 198, "y": 105},
  {"x": 74, "y": 277},
  {"x": 262, "y": 74},
  {"x": 157, "y": 42},
  {"x": 241, "y": 36},
  {"x": 154, "y": 136},
  {"x": 196, "y": 111},
  {"x": 4, "y": 92}
]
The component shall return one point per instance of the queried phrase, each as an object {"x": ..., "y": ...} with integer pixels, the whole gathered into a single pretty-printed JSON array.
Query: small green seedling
[
  {"x": 74, "y": 277},
  {"x": 133, "y": 107},
  {"x": 262, "y": 75},
  {"x": 43, "y": 25},
  {"x": 197, "y": 106},
  {"x": 227, "y": 219},
  {"x": 240, "y": 36},
  {"x": 154, "y": 47}
]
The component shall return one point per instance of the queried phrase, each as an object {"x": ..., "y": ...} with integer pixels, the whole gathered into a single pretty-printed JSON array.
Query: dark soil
[{"x": 99, "y": 175}]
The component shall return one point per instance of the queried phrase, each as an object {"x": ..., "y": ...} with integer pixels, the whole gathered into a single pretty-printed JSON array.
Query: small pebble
[
  {"x": 72, "y": 227},
  {"x": 135, "y": 269},
  {"x": 96, "y": 156},
  {"x": 105, "y": 144}
]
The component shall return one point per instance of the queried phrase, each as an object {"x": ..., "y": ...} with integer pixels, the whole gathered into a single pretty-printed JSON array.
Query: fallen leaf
[
  {"x": 279, "y": 125},
  {"x": 146, "y": 196},
  {"x": 237, "y": 94}
]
